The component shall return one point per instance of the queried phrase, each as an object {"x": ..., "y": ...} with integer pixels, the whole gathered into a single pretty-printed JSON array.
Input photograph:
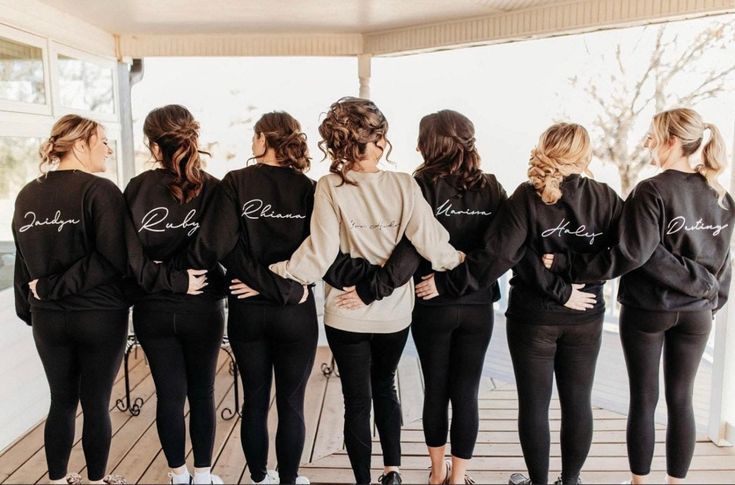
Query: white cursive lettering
[
  {"x": 55, "y": 221},
  {"x": 154, "y": 221},
  {"x": 678, "y": 223},
  {"x": 446, "y": 209},
  {"x": 581, "y": 231},
  {"x": 255, "y": 209}
]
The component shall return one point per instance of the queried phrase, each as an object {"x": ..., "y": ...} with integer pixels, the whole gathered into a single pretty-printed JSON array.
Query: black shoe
[
  {"x": 391, "y": 478},
  {"x": 519, "y": 479},
  {"x": 559, "y": 481}
]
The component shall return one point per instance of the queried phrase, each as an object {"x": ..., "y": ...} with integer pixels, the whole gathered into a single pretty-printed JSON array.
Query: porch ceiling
[{"x": 145, "y": 28}]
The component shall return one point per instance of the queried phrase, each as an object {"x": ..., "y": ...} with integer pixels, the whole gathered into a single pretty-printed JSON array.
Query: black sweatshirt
[
  {"x": 261, "y": 216},
  {"x": 679, "y": 211},
  {"x": 161, "y": 229},
  {"x": 69, "y": 231},
  {"x": 582, "y": 221}
]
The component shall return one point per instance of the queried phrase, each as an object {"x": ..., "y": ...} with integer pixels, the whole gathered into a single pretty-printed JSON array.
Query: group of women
[{"x": 397, "y": 253}]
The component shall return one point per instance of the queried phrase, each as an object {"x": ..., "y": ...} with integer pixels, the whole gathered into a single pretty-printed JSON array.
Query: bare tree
[{"x": 677, "y": 74}]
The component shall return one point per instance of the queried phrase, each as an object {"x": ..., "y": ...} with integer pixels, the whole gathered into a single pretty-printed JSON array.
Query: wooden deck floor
[{"x": 136, "y": 452}]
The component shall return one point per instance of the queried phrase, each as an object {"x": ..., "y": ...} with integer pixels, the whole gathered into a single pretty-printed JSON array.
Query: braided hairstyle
[
  {"x": 348, "y": 127},
  {"x": 176, "y": 132},
  {"x": 447, "y": 145},
  {"x": 563, "y": 149}
]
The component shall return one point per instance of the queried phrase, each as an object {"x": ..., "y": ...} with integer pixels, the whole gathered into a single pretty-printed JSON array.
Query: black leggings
[
  {"x": 538, "y": 352},
  {"x": 451, "y": 341},
  {"x": 182, "y": 351},
  {"x": 81, "y": 353},
  {"x": 270, "y": 339},
  {"x": 683, "y": 337},
  {"x": 367, "y": 364}
]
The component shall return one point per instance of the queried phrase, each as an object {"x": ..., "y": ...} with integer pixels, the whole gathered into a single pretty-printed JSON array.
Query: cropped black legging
[
  {"x": 182, "y": 350},
  {"x": 81, "y": 353},
  {"x": 539, "y": 352},
  {"x": 451, "y": 341},
  {"x": 367, "y": 365},
  {"x": 682, "y": 336},
  {"x": 268, "y": 340}
]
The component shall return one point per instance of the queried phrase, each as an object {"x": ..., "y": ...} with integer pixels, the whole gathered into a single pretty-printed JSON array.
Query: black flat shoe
[{"x": 391, "y": 478}]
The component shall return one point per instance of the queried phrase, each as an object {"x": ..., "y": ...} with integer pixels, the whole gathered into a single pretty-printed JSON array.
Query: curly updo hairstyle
[
  {"x": 347, "y": 129},
  {"x": 283, "y": 134},
  {"x": 64, "y": 134}
]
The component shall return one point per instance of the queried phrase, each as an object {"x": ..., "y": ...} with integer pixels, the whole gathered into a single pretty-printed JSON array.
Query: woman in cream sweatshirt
[{"x": 364, "y": 212}]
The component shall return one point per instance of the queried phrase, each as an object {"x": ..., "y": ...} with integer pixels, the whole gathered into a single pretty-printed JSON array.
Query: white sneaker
[
  {"x": 207, "y": 478},
  {"x": 182, "y": 479},
  {"x": 302, "y": 480},
  {"x": 271, "y": 478}
]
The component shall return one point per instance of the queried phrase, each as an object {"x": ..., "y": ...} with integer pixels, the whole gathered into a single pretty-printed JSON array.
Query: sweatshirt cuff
[
  {"x": 42, "y": 288},
  {"x": 180, "y": 281},
  {"x": 440, "y": 281},
  {"x": 566, "y": 293},
  {"x": 363, "y": 291},
  {"x": 560, "y": 264}
]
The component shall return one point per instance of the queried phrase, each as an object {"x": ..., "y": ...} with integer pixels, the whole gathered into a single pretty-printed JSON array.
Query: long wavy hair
[{"x": 447, "y": 145}]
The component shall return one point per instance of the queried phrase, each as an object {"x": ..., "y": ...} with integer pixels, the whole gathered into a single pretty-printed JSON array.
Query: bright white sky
[{"x": 512, "y": 92}]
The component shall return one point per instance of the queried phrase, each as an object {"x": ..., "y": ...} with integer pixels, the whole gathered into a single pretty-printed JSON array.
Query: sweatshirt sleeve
[
  {"x": 241, "y": 265},
  {"x": 680, "y": 274},
  {"x": 151, "y": 276},
  {"x": 348, "y": 271},
  {"x": 531, "y": 269},
  {"x": 396, "y": 272},
  {"x": 427, "y": 235},
  {"x": 107, "y": 262},
  {"x": 20, "y": 285},
  {"x": 724, "y": 276},
  {"x": 503, "y": 248},
  {"x": 313, "y": 258}
]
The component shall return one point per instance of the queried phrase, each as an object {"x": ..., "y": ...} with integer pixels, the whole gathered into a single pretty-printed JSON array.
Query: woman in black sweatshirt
[
  {"x": 687, "y": 211},
  {"x": 180, "y": 333},
  {"x": 556, "y": 330},
  {"x": 262, "y": 216},
  {"x": 69, "y": 232}
]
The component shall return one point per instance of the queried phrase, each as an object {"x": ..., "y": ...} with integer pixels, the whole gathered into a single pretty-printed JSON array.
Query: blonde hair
[
  {"x": 563, "y": 149},
  {"x": 687, "y": 125},
  {"x": 64, "y": 134}
]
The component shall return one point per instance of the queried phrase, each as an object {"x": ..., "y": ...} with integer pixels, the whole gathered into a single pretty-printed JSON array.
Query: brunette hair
[
  {"x": 348, "y": 127},
  {"x": 283, "y": 134},
  {"x": 447, "y": 145},
  {"x": 176, "y": 132}
]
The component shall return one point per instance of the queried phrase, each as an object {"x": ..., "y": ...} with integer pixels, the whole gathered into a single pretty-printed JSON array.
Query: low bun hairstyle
[
  {"x": 687, "y": 125},
  {"x": 447, "y": 145},
  {"x": 563, "y": 149},
  {"x": 349, "y": 126},
  {"x": 283, "y": 134},
  {"x": 64, "y": 134},
  {"x": 176, "y": 132}
]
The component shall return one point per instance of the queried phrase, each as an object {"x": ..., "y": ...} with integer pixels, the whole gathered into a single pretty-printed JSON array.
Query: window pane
[
  {"x": 85, "y": 85},
  {"x": 18, "y": 164},
  {"x": 21, "y": 73}
]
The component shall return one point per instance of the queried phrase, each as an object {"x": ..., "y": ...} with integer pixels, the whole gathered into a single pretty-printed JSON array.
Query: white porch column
[
  {"x": 722, "y": 399},
  {"x": 363, "y": 72}
]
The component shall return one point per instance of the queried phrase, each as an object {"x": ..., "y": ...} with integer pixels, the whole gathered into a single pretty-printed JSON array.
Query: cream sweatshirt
[{"x": 368, "y": 221}]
